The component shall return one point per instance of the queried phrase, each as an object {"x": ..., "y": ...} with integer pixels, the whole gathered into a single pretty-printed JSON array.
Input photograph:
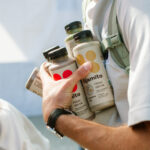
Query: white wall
[{"x": 28, "y": 27}]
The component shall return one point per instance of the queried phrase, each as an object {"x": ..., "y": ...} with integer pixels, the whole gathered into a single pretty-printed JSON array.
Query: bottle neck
[
  {"x": 83, "y": 40},
  {"x": 74, "y": 31},
  {"x": 60, "y": 59}
]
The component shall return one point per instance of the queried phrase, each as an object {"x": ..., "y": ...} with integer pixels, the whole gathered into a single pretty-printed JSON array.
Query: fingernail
[{"x": 87, "y": 66}]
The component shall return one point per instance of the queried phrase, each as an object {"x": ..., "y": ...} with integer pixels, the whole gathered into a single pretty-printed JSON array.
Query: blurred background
[{"x": 28, "y": 27}]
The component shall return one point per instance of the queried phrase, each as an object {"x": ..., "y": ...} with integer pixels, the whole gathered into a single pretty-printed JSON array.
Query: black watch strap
[{"x": 54, "y": 116}]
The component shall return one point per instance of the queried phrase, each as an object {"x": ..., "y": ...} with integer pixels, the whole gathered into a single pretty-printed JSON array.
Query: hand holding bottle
[{"x": 58, "y": 94}]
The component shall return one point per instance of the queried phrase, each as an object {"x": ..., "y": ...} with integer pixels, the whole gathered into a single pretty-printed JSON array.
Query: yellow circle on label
[
  {"x": 95, "y": 67},
  {"x": 90, "y": 55},
  {"x": 80, "y": 59}
]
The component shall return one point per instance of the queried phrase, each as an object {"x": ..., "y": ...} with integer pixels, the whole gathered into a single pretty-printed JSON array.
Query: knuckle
[{"x": 80, "y": 73}]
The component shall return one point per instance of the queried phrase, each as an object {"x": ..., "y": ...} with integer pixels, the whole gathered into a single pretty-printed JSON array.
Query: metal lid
[
  {"x": 45, "y": 53},
  {"x": 86, "y": 34},
  {"x": 60, "y": 52},
  {"x": 72, "y": 26}
]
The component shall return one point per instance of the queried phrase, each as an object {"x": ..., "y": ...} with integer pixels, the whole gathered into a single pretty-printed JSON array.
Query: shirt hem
[{"x": 138, "y": 116}]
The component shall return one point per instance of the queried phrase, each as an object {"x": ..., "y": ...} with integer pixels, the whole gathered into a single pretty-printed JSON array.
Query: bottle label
[
  {"x": 34, "y": 83},
  {"x": 70, "y": 44},
  {"x": 97, "y": 88},
  {"x": 79, "y": 103}
]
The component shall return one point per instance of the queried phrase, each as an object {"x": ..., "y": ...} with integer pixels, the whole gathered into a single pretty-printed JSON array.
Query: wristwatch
[{"x": 53, "y": 118}]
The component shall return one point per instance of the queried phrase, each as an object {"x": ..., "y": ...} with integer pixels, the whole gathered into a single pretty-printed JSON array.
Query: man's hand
[
  {"x": 93, "y": 136},
  {"x": 58, "y": 94}
]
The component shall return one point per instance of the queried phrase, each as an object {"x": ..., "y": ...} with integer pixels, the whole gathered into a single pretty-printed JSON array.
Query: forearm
[
  {"x": 96, "y": 137},
  {"x": 88, "y": 134}
]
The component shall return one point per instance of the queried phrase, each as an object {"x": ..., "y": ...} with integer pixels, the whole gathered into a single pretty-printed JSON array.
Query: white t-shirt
[
  {"x": 17, "y": 132},
  {"x": 132, "y": 94}
]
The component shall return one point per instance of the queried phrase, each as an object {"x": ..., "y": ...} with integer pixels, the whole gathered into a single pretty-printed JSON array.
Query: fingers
[
  {"x": 44, "y": 75},
  {"x": 81, "y": 72}
]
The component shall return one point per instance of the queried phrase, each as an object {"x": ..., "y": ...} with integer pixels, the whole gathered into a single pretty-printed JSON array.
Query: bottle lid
[
  {"x": 73, "y": 26},
  {"x": 60, "y": 52},
  {"x": 83, "y": 35},
  {"x": 45, "y": 53}
]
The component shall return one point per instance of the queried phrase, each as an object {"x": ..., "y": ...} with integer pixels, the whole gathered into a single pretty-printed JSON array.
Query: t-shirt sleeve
[
  {"x": 17, "y": 132},
  {"x": 9, "y": 138},
  {"x": 134, "y": 21}
]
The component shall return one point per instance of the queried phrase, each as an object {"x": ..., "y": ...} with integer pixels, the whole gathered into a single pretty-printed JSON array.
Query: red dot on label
[
  {"x": 75, "y": 88},
  {"x": 67, "y": 73},
  {"x": 56, "y": 77}
]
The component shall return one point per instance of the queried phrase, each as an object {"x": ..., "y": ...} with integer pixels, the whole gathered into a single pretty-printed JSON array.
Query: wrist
[
  {"x": 47, "y": 111},
  {"x": 54, "y": 116}
]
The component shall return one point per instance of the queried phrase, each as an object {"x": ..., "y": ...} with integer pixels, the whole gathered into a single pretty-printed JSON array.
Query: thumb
[
  {"x": 44, "y": 75},
  {"x": 81, "y": 72}
]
